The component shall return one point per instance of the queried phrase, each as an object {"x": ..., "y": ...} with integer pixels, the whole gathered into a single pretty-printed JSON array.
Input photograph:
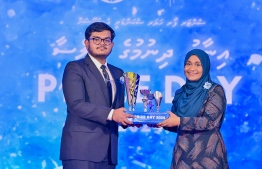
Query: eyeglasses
[{"x": 97, "y": 40}]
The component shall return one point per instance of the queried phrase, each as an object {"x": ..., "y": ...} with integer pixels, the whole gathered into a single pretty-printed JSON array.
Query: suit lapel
[
  {"x": 91, "y": 66},
  {"x": 116, "y": 81}
]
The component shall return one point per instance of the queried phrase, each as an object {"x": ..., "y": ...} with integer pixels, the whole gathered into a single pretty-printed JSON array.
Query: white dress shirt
[{"x": 98, "y": 65}]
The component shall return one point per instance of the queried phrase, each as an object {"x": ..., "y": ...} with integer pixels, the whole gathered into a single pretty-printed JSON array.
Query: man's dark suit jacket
[{"x": 87, "y": 134}]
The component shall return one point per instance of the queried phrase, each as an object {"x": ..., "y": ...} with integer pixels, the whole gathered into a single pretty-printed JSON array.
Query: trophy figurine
[
  {"x": 131, "y": 83},
  {"x": 145, "y": 92},
  {"x": 158, "y": 99},
  {"x": 150, "y": 104}
]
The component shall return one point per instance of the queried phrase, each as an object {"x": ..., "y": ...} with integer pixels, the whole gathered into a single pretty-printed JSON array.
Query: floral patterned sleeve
[{"x": 211, "y": 114}]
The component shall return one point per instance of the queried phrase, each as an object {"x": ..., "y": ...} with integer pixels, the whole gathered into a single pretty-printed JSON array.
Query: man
[{"x": 95, "y": 101}]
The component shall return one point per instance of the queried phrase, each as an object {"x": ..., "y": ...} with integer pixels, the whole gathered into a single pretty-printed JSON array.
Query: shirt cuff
[{"x": 109, "y": 117}]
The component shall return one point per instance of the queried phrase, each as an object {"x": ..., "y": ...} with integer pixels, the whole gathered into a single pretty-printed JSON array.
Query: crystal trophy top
[{"x": 131, "y": 83}]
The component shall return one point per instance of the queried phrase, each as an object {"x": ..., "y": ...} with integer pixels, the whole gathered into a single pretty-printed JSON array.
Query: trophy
[
  {"x": 145, "y": 92},
  {"x": 158, "y": 99},
  {"x": 131, "y": 83}
]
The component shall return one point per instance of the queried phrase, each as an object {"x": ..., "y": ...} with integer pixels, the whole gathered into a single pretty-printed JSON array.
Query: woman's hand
[{"x": 172, "y": 121}]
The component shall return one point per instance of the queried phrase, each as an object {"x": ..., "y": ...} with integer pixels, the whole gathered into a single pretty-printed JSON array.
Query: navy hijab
[{"x": 190, "y": 97}]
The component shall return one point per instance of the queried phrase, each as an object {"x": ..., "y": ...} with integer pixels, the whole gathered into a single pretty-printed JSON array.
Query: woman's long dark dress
[{"x": 199, "y": 144}]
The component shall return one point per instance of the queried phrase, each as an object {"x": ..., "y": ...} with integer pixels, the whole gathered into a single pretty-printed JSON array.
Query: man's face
[
  {"x": 193, "y": 68},
  {"x": 99, "y": 50}
]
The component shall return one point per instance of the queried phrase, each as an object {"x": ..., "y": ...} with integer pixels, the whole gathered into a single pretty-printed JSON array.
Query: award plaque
[{"x": 148, "y": 115}]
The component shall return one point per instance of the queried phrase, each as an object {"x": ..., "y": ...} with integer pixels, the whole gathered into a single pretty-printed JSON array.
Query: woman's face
[{"x": 193, "y": 69}]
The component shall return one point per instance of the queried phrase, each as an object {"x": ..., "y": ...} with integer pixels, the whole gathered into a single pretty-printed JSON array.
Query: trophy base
[{"x": 147, "y": 117}]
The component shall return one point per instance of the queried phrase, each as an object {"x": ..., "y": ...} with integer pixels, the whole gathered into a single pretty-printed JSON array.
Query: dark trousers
[
  {"x": 82, "y": 164},
  {"x": 78, "y": 164}
]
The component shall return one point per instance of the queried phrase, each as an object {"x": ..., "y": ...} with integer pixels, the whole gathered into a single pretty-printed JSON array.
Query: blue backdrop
[{"x": 38, "y": 38}]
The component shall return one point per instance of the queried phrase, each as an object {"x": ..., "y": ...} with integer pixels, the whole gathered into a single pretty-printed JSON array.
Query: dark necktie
[{"x": 107, "y": 80}]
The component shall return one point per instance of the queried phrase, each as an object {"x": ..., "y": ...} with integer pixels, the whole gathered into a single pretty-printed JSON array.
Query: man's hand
[{"x": 120, "y": 116}]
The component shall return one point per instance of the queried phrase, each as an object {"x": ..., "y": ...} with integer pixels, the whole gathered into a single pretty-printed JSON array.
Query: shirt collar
[{"x": 98, "y": 64}]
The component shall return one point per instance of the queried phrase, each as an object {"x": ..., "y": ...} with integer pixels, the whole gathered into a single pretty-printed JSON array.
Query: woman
[{"x": 197, "y": 115}]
